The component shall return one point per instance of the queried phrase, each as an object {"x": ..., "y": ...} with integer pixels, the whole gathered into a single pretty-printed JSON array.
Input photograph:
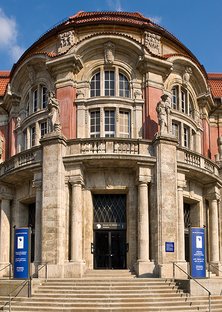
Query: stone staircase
[{"x": 111, "y": 291}]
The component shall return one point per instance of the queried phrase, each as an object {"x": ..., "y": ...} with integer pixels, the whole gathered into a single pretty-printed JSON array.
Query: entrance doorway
[
  {"x": 109, "y": 241},
  {"x": 110, "y": 249}
]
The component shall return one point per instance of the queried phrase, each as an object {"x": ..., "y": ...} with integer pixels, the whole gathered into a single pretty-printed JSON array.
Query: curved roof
[{"x": 215, "y": 82}]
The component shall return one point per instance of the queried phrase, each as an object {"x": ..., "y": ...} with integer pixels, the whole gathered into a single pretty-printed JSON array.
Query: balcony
[
  {"x": 199, "y": 166},
  {"x": 24, "y": 161}
]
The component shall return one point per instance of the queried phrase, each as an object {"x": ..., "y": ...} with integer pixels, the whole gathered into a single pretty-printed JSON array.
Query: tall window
[
  {"x": 185, "y": 136},
  {"x": 109, "y": 83},
  {"x": 32, "y": 133},
  {"x": 124, "y": 124},
  {"x": 109, "y": 123},
  {"x": 175, "y": 130},
  {"x": 123, "y": 86},
  {"x": 95, "y": 85},
  {"x": 35, "y": 100},
  {"x": 43, "y": 128},
  {"x": 183, "y": 102},
  {"x": 174, "y": 98},
  {"x": 44, "y": 97},
  {"x": 95, "y": 124}
]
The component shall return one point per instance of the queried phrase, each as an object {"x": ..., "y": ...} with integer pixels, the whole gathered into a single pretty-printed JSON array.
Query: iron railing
[
  {"x": 210, "y": 265},
  {"x": 22, "y": 285},
  {"x": 190, "y": 277},
  {"x": 10, "y": 269}
]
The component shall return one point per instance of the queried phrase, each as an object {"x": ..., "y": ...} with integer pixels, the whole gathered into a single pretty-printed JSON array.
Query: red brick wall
[
  {"x": 66, "y": 96},
  {"x": 205, "y": 139},
  {"x": 150, "y": 119}
]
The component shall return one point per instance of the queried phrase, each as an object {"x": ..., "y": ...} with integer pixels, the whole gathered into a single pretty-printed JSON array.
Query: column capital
[
  {"x": 5, "y": 193},
  {"x": 212, "y": 193},
  {"x": 37, "y": 183},
  {"x": 181, "y": 184},
  {"x": 77, "y": 179}
]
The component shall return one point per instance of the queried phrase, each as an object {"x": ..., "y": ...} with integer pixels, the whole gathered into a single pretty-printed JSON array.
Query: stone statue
[
  {"x": 219, "y": 143},
  {"x": 163, "y": 110},
  {"x": 54, "y": 113}
]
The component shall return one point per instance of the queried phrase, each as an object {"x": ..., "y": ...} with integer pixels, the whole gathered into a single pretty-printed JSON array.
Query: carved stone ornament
[
  {"x": 152, "y": 42},
  {"x": 138, "y": 94},
  {"x": 79, "y": 94},
  {"x": 109, "y": 51},
  {"x": 31, "y": 72},
  {"x": 66, "y": 40},
  {"x": 18, "y": 124},
  {"x": 187, "y": 74}
]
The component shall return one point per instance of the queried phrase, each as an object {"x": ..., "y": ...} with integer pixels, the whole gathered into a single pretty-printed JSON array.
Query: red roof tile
[
  {"x": 4, "y": 79},
  {"x": 215, "y": 82}
]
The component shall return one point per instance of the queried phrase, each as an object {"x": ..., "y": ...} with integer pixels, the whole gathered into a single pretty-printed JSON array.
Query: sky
[{"x": 196, "y": 23}]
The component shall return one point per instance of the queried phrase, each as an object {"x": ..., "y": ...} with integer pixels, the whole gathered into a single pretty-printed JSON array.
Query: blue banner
[
  {"x": 197, "y": 252},
  {"x": 21, "y": 253}
]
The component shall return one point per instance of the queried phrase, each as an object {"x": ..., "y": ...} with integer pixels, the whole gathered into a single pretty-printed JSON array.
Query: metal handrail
[
  {"x": 10, "y": 266},
  {"x": 190, "y": 277},
  {"x": 209, "y": 264},
  {"x": 22, "y": 285}
]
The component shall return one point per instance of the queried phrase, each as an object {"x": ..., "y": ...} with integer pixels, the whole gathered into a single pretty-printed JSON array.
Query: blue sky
[{"x": 196, "y": 23}]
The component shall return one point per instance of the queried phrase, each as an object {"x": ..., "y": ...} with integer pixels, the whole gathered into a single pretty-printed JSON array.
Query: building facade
[{"x": 109, "y": 129}]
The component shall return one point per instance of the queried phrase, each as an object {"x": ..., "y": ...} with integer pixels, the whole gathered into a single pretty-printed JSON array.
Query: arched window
[{"x": 114, "y": 84}]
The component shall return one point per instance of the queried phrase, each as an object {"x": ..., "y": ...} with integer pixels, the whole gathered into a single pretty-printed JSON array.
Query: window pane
[{"x": 109, "y": 83}]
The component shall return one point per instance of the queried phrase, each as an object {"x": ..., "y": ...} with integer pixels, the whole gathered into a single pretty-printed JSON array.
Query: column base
[
  {"x": 166, "y": 270},
  {"x": 74, "y": 269},
  {"x": 7, "y": 271},
  {"x": 145, "y": 268}
]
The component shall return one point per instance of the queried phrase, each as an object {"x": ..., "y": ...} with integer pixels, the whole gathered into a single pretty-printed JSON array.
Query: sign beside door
[
  {"x": 22, "y": 253},
  {"x": 197, "y": 254}
]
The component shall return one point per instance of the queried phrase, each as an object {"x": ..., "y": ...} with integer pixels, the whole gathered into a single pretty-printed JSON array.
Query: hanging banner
[
  {"x": 22, "y": 253},
  {"x": 197, "y": 248}
]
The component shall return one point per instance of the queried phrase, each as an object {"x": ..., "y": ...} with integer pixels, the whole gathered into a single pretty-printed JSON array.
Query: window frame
[
  {"x": 124, "y": 134},
  {"x": 107, "y": 116},
  {"x": 44, "y": 101},
  {"x": 95, "y": 134}
]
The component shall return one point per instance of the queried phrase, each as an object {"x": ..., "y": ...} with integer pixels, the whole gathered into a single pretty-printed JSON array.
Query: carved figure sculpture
[
  {"x": 54, "y": 113},
  {"x": 163, "y": 110},
  {"x": 219, "y": 143}
]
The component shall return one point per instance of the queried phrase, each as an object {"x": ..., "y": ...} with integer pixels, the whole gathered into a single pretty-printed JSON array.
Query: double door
[{"x": 110, "y": 249}]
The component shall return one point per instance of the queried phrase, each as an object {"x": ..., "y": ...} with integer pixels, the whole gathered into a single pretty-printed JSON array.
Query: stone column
[
  {"x": 214, "y": 242},
  {"x": 143, "y": 267},
  {"x": 180, "y": 242},
  {"x": 38, "y": 221},
  {"x": 76, "y": 219},
  {"x": 5, "y": 228},
  {"x": 143, "y": 222}
]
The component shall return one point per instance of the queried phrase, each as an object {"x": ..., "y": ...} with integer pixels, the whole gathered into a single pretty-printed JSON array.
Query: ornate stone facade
[{"x": 118, "y": 160}]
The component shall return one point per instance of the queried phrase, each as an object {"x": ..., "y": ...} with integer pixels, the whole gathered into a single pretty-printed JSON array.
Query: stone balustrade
[
  {"x": 197, "y": 160},
  {"x": 109, "y": 146},
  {"x": 24, "y": 158}
]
